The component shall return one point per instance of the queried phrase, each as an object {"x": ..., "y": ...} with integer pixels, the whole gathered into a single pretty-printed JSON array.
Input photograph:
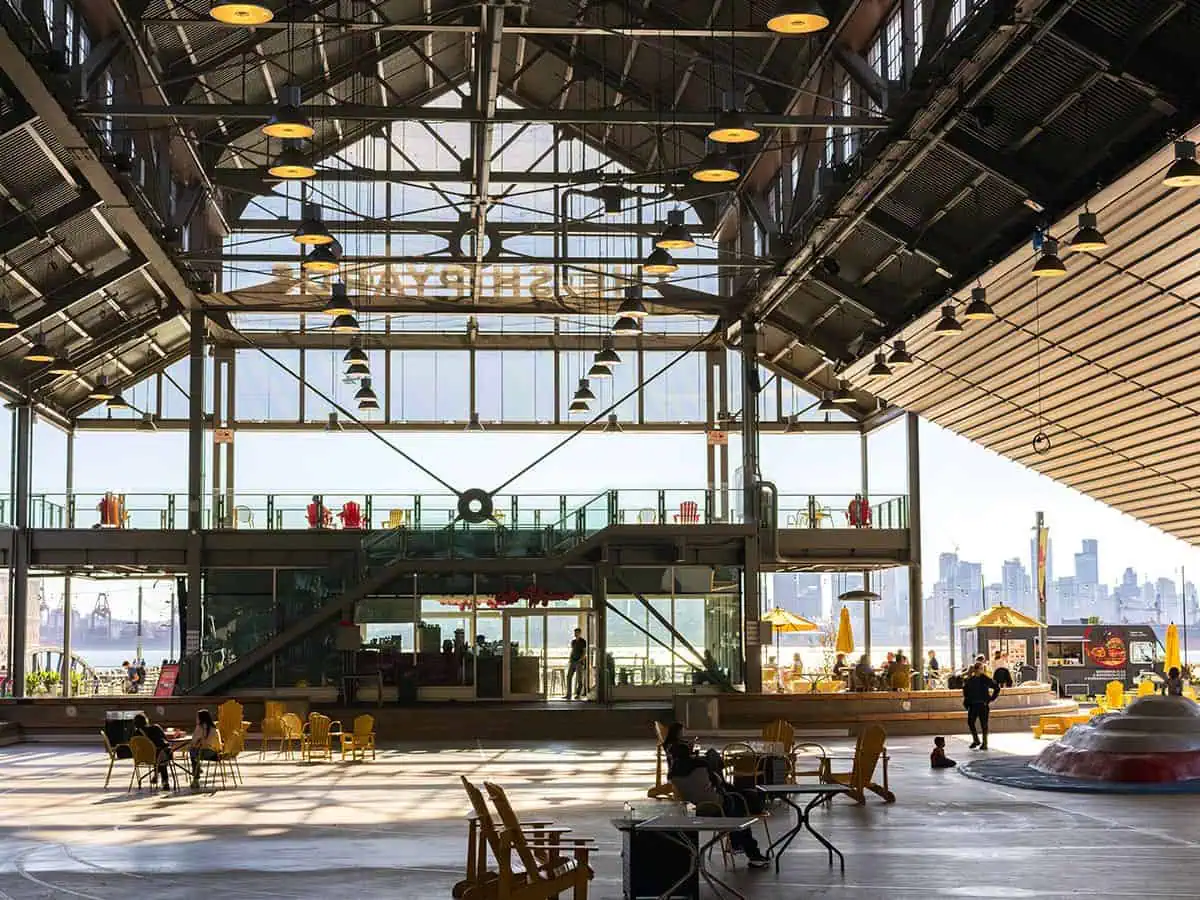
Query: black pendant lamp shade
[
  {"x": 584, "y": 391},
  {"x": 1048, "y": 265},
  {"x": 948, "y": 324},
  {"x": 842, "y": 396},
  {"x": 734, "y": 127},
  {"x": 1089, "y": 238},
  {"x": 659, "y": 262},
  {"x": 355, "y": 354},
  {"x": 627, "y": 325},
  {"x": 1185, "y": 171},
  {"x": 312, "y": 231},
  {"x": 292, "y": 163},
  {"x": 38, "y": 352},
  {"x": 612, "y": 197},
  {"x": 632, "y": 305},
  {"x": 599, "y": 369},
  {"x": 7, "y": 322},
  {"x": 797, "y": 17},
  {"x": 240, "y": 12},
  {"x": 116, "y": 401},
  {"x": 827, "y": 404},
  {"x": 979, "y": 310},
  {"x": 880, "y": 369},
  {"x": 323, "y": 260},
  {"x": 900, "y": 356},
  {"x": 62, "y": 366},
  {"x": 338, "y": 304},
  {"x": 358, "y": 370},
  {"x": 578, "y": 406},
  {"x": 607, "y": 355},
  {"x": 288, "y": 121},
  {"x": 101, "y": 391},
  {"x": 716, "y": 168},
  {"x": 365, "y": 392},
  {"x": 345, "y": 324},
  {"x": 676, "y": 235}
]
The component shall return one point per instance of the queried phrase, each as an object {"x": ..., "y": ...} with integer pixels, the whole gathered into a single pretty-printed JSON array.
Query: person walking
[
  {"x": 979, "y": 690},
  {"x": 577, "y": 666}
]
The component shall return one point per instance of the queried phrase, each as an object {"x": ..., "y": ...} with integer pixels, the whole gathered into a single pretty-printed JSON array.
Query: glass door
[{"x": 537, "y": 658}]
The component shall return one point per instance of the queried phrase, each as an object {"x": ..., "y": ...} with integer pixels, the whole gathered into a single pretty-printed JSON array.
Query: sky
[{"x": 973, "y": 499}]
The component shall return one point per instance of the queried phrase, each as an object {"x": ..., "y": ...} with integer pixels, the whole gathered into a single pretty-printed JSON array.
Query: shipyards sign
[{"x": 451, "y": 281}]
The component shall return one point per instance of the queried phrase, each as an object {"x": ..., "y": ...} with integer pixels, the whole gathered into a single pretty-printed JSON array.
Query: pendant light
[
  {"x": 292, "y": 163},
  {"x": 842, "y": 396},
  {"x": 321, "y": 260},
  {"x": 979, "y": 310},
  {"x": 1048, "y": 265},
  {"x": 240, "y": 12},
  {"x": 659, "y": 262},
  {"x": 338, "y": 304},
  {"x": 948, "y": 324},
  {"x": 607, "y": 355},
  {"x": 345, "y": 324},
  {"x": 599, "y": 370},
  {"x": 584, "y": 391},
  {"x": 627, "y": 325},
  {"x": 288, "y": 121},
  {"x": 147, "y": 423},
  {"x": 7, "y": 322},
  {"x": 358, "y": 370},
  {"x": 797, "y": 17},
  {"x": 312, "y": 231},
  {"x": 676, "y": 235},
  {"x": 880, "y": 369},
  {"x": 365, "y": 392},
  {"x": 1088, "y": 238},
  {"x": 827, "y": 404},
  {"x": 370, "y": 403},
  {"x": 900, "y": 357},
  {"x": 578, "y": 406},
  {"x": 632, "y": 305},
  {"x": 101, "y": 391},
  {"x": 734, "y": 127},
  {"x": 355, "y": 354},
  {"x": 39, "y": 353},
  {"x": 62, "y": 366},
  {"x": 116, "y": 401},
  {"x": 611, "y": 195},
  {"x": 1185, "y": 171},
  {"x": 715, "y": 168}
]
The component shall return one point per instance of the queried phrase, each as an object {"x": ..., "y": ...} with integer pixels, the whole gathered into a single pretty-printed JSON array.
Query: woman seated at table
[
  {"x": 697, "y": 780},
  {"x": 841, "y": 668},
  {"x": 205, "y": 743},
  {"x": 162, "y": 748},
  {"x": 862, "y": 678}
]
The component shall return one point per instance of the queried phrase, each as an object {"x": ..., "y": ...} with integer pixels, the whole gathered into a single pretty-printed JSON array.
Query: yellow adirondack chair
[
  {"x": 274, "y": 709},
  {"x": 867, "y": 752},
  {"x": 1114, "y": 696},
  {"x": 272, "y": 730},
  {"x": 534, "y": 876},
  {"x": 293, "y": 733},
  {"x": 317, "y": 740},
  {"x": 229, "y": 718},
  {"x": 361, "y": 739}
]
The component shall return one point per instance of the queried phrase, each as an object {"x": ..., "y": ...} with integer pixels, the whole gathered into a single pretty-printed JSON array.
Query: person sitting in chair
[
  {"x": 162, "y": 748},
  {"x": 697, "y": 780}
]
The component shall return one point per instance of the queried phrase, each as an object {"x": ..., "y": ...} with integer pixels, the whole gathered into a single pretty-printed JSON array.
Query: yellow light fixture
[
  {"x": 676, "y": 235},
  {"x": 798, "y": 17},
  {"x": 1088, "y": 238},
  {"x": 322, "y": 260},
  {"x": 659, "y": 262},
  {"x": 288, "y": 121},
  {"x": 715, "y": 168},
  {"x": 244, "y": 12},
  {"x": 312, "y": 231},
  {"x": 39, "y": 353},
  {"x": 734, "y": 127},
  {"x": 292, "y": 163},
  {"x": 1048, "y": 265},
  {"x": 339, "y": 303},
  {"x": 101, "y": 391}
]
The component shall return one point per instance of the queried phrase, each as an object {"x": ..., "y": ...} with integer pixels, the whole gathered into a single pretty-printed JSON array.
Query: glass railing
[{"x": 561, "y": 515}]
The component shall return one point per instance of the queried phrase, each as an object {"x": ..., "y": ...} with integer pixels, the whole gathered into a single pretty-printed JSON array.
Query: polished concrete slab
[{"x": 393, "y": 828}]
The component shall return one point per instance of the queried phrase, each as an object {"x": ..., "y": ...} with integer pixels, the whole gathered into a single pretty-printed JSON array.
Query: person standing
[
  {"x": 577, "y": 666},
  {"x": 1000, "y": 671},
  {"x": 979, "y": 690},
  {"x": 933, "y": 666}
]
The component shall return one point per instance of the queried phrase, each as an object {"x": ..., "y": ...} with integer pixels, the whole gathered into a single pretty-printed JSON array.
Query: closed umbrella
[
  {"x": 845, "y": 634},
  {"x": 1171, "y": 660}
]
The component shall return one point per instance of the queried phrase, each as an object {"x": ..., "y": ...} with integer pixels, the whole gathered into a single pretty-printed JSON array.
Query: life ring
[{"x": 475, "y": 506}]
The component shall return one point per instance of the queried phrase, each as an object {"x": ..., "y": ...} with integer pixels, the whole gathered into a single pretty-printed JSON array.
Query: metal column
[
  {"x": 864, "y": 487},
  {"x": 190, "y": 670},
  {"x": 916, "y": 622},
  {"x": 19, "y": 620},
  {"x": 600, "y": 605},
  {"x": 65, "y": 674},
  {"x": 751, "y": 501}
]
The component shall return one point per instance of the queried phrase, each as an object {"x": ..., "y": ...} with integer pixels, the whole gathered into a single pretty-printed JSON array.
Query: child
[{"x": 938, "y": 759}]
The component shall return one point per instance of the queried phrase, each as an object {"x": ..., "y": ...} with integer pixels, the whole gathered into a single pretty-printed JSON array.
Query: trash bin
[
  {"x": 406, "y": 688},
  {"x": 118, "y": 728},
  {"x": 651, "y": 862}
]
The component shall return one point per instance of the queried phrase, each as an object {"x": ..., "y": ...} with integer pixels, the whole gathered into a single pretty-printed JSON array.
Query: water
[{"x": 112, "y": 657}]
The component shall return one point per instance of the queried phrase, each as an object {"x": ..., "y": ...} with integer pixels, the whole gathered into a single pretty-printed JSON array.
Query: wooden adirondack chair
[
  {"x": 534, "y": 875},
  {"x": 867, "y": 753},
  {"x": 782, "y": 733},
  {"x": 229, "y": 718},
  {"x": 662, "y": 787},
  {"x": 317, "y": 740},
  {"x": 293, "y": 733},
  {"x": 361, "y": 739}
]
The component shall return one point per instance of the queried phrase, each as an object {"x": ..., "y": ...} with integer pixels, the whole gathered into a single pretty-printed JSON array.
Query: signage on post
[
  {"x": 167, "y": 676},
  {"x": 718, "y": 438},
  {"x": 223, "y": 436}
]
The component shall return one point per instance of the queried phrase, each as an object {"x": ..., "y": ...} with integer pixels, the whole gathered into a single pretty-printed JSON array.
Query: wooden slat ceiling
[{"x": 1103, "y": 361}]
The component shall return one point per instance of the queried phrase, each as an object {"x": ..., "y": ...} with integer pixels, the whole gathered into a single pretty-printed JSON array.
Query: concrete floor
[{"x": 394, "y": 829}]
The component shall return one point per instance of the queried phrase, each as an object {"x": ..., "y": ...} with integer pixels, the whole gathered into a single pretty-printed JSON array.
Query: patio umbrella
[
  {"x": 845, "y": 634},
  {"x": 1171, "y": 656},
  {"x": 783, "y": 621},
  {"x": 1000, "y": 616}
]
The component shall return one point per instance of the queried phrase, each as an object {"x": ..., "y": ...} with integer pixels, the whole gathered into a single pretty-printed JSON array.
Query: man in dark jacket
[{"x": 979, "y": 690}]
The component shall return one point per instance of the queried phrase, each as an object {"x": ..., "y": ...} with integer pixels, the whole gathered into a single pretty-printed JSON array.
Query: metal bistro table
[
  {"x": 675, "y": 826},
  {"x": 819, "y": 794}
]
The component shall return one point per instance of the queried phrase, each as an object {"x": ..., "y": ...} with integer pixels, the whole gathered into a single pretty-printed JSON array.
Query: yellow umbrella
[
  {"x": 1000, "y": 616},
  {"x": 782, "y": 620},
  {"x": 845, "y": 634},
  {"x": 1171, "y": 659}
]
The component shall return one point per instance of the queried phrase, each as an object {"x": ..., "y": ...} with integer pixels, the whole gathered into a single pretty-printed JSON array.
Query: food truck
[{"x": 1081, "y": 659}]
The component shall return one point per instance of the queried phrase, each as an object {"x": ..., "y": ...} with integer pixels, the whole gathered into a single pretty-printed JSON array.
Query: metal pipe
[
  {"x": 916, "y": 621},
  {"x": 19, "y": 660}
]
